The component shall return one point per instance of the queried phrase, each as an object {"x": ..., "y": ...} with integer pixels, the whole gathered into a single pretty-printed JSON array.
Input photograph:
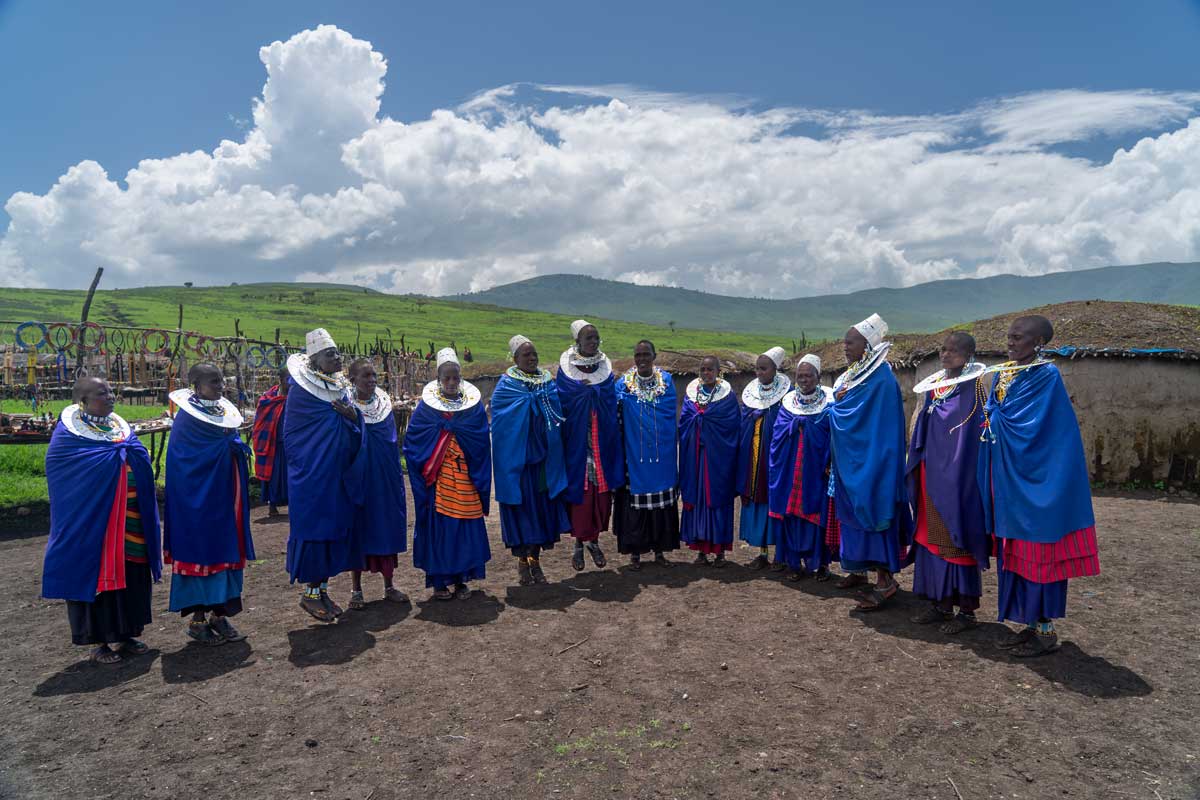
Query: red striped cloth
[
  {"x": 833, "y": 530},
  {"x": 1076, "y": 555},
  {"x": 267, "y": 418},
  {"x": 795, "y": 506},
  {"x": 594, "y": 444},
  {"x": 112, "y": 552}
]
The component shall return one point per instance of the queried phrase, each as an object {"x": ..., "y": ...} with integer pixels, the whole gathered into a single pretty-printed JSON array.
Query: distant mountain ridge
[{"x": 916, "y": 309}]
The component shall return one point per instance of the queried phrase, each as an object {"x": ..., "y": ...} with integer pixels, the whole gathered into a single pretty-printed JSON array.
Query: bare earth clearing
[{"x": 483, "y": 699}]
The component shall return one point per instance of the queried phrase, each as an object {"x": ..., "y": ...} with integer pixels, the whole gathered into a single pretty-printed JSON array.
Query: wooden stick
[
  {"x": 579, "y": 688},
  {"x": 572, "y": 646},
  {"x": 87, "y": 306},
  {"x": 801, "y": 688},
  {"x": 955, "y": 788}
]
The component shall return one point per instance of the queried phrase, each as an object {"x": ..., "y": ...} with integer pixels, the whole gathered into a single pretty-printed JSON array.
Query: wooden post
[{"x": 87, "y": 306}]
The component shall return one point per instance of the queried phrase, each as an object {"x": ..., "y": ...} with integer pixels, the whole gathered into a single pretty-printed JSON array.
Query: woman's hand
[{"x": 345, "y": 409}]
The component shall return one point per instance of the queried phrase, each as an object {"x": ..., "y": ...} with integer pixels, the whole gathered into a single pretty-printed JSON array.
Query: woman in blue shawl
[
  {"x": 206, "y": 517},
  {"x": 800, "y": 473},
  {"x": 950, "y": 543},
  {"x": 870, "y": 499},
  {"x": 380, "y": 508},
  {"x": 103, "y": 552},
  {"x": 323, "y": 435},
  {"x": 708, "y": 446},
  {"x": 760, "y": 408},
  {"x": 591, "y": 439},
  {"x": 527, "y": 457},
  {"x": 647, "y": 510},
  {"x": 448, "y": 450},
  {"x": 1036, "y": 496}
]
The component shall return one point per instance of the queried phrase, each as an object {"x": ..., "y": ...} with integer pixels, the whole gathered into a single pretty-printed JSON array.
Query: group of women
[{"x": 823, "y": 474}]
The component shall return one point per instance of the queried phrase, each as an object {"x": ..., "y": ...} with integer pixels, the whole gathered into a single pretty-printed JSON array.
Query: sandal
[
  {"x": 597, "y": 555},
  {"x": 333, "y": 607},
  {"x": 316, "y": 609},
  {"x": 1013, "y": 639},
  {"x": 203, "y": 633},
  {"x": 661, "y": 561},
  {"x": 394, "y": 595},
  {"x": 524, "y": 576},
  {"x": 797, "y": 575},
  {"x": 960, "y": 623},
  {"x": 577, "y": 559},
  {"x": 357, "y": 603},
  {"x": 852, "y": 580},
  {"x": 635, "y": 564},
  {"x": 700, "y": 560},
  {"x": 535, "y": 571},
  {"x": 462, "y": 592},
  {"x": 778, "y": 566},
  {"x": 105, "y": 656},
  {"x": 823, "y": 575},
  {"x": 1040, "y": 644},
  {"x": 224, "y": 628},
  {"x": 877, "y": 598},
  {"x": 929, "y": 616},
  {"x": 132, "y": 647},
  {"x": 720, "y": 561},
  {"x": 443, "y": 594},
  {"x": 758, "y": 563}
]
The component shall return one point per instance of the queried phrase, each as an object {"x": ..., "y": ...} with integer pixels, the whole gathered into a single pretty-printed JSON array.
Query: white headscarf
[
  {"x": 815, "y": 360},
  {"x": 514, "y": 344},
  {"x": 317, "y": 340},
  {"x": 577, "y": 326},
  {"x": 776, "y": 354},
  {"x": 873, "y": 329},
  {"x": 447, "y": 354}
]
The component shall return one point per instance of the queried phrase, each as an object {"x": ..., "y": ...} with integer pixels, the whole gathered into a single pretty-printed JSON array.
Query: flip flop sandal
[
  {"x": 333, "y": 607},
  {"x": 635, "y": 565},
  {"x": 823, "y": 575},
  {"x": 851, "y": 580},
  {"x": 539, "y": 577},
  {"x": 357, "y": 602},
  {"x": 719, "y": 562},
  {"x": 395, "y": 595},
  {"x": 661, "y": 561},
  {"x": 778, "y": 566},
  {"x": 877, "y": 598},
  {"x": 758, "y": 563},
  {"x": 203, "y": 633},
  {"x": 105, "y": 656},
  {"x": 225, "y": 630},
  {"x": 316, "y": 609},
  {"x": 577, "y": 560},
  {"x": 597, "y": 555},
  {"x": 929, "y": 616},
  {"x": 1010, "y": 640},
  {"x": 797, "y": 575},
  {"x": 443, "y": 594},
  {"x": 700, "y": 560},
  {"x": 462, "y": 592},
  {"x": 524, "y": 574},
  {"x": 1038, "y": 645},
  {"x": 960, "y": 623},
  {"x": 132, "y": 647}
]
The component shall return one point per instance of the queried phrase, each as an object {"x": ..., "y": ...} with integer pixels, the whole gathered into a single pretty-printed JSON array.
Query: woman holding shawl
[
  {"x": 448, "y": 451},
  {"x": 870, "y": 499},
  {"x": 800, "y": 473},
  {"x": 323, "y": 435},
  {"x": 270, "y": 459},
  {"x": 527, "y": 451},
  {"x": 951, "y": 544},
  {"x": 206, "y": 517},
  {"x": 760, "y": 407},
  {"x": 103, "y": 552},
  {"x": 380, "y": 514},
  {"x": 647, "y": 516},
  {"x": 708, "y": 447},
  {"x": 591, "y": 439},
  {"x": 1036, "y": 496}
]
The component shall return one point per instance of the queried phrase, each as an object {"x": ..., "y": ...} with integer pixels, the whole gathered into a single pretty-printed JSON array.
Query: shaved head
[
  {"x": 85, "y": 386},
  {"x": 203, "y": 370}
]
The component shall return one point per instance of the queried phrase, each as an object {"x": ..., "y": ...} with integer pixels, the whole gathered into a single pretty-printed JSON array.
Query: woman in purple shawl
[
  {"x": 951, "y": 545},
  {"x": 104, "y": 548},
  {"x": 708, "y": 446}
]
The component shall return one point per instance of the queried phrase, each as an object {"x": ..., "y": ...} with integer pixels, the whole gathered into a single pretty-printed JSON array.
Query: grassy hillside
[
  {"x": 927, "y": 307},
  {"x": 348, "y": 312}
]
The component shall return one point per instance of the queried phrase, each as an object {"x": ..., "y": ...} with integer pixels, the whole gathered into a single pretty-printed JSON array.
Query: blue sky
[{"x": 120, "y": 82}]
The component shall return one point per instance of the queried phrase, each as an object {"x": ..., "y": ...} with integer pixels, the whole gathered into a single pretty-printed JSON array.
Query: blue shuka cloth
[
  {"x": 708, "y": 446},
  {"x": 527, "y": 461},
  {"x": 321, "y": 448},
  {"x": 651, "y": 438},
  {"x": 946, "y": 439},
  {"x": 381, "y": 509},
  {"x": 274, "y": 491},
  {"x": 789, "y": 429},
  {"x": 199, "y": 524},
  {"x": 578, "y": 401},
  {"x": 755, "y": 525},
  {"x": 1033, "y": 454},
  {"x": 82, "y": 477},
  {"x": 448, "y": 550}
]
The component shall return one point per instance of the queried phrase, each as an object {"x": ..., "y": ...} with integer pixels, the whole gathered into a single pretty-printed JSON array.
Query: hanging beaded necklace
[
  {"x": 579, "y": 360},
  {"x": 705, "y": 395},
  {"x": 105, "y": 426},
  {"x": 451, "y": 403},
  {"x": 810, "y": 403},
  {"x": 212, "y": 408},
  {"x": 767, "y": 395},
  {"x": 647, "y": 390},
  {"x": 539, "y": 385},
  {"x": 370, "y": 408}
]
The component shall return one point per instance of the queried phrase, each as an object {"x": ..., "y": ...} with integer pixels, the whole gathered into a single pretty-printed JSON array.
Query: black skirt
[
  {"x": 114, "y": 616},
  {"x": 644, "y": 530}
]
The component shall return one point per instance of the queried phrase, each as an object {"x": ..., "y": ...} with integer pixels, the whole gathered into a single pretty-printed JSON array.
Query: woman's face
[
  {"x": 765, "y": 369},
  {"x": 210, "y": 385},
  {"x": 328, "y": 361},
  {"x": 1022, "y": 342},
  {"x": 709, "y": 372},
  {"x": 806, "y": 378},
  {"x": 954, "y": 357},
  {"x": 365, "y": 380},
  {"x": 588, "y": 341},
  {"x": 643, "y": 359},
  {"x": 527, "y": 358},
  {"x": 99, "y": 400},
  {"x": 449, "y": 378},
  {"x": 854, "y": 344}
]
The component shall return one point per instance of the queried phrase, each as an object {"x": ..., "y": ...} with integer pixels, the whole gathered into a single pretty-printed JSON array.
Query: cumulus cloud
[{"x": 707, "y": 192}]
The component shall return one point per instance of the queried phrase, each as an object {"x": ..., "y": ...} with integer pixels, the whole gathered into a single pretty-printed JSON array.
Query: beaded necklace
[
  {"x": 212, "y": 408},
  {"x": 451, "y": 403},
  {"x": 767, "y": 395},
  {"x": 370, "y": 408},
  {"x": 104, "y": 426},
  {"x": 539, "y": 385},
  {"x": 585, "y": 361},
  {"x": 809, "y": 402},
  {"x": 704, "y": 395},
  {"x": 647, "y": 390}
]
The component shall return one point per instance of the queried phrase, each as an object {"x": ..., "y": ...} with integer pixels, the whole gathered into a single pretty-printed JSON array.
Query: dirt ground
[{"x": 687, "y": 682}]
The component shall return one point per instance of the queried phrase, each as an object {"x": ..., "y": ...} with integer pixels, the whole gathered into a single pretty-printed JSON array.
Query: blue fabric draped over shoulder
[
  {"x": 746, "y": 440},
  {"x": 578, "y": 400},
  {"x": 713, "y": 432},
  {"x": 815, "y": 430},
  {"x": 651, "y": 438},
  {"x": 199, "y": 525},
  {"x": 377, "y": 484},
  {"x": 321, "y": 446},
  {"x": 867, "y": 426},
  {"x": 82, "y": 477},
  {"x": 471, "y": 431},
  {"x": 522, "y": 435},
  {"x": 1034, "y": 455}
]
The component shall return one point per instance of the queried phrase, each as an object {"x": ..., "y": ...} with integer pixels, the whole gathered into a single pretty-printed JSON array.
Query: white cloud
[{"x": 706, "y": 192}]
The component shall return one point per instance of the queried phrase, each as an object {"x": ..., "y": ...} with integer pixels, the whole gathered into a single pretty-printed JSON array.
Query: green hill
[
  {"x": 926, "y": 307},
  {"x": 348, "y": 313}
]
